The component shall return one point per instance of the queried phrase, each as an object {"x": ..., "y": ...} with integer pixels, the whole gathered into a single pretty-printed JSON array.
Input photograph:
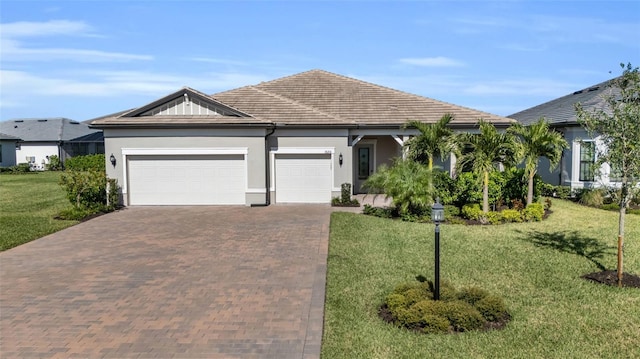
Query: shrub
[
  {"x": 463, "y": 316},
  {"x": 85, "y": 189},
  {"x": 494, "y": 217},
  {"x": 492, "y": 308},
  {"x": 345, "y": 197},
  {"x": 407, "y": 182},
  {"x": 86, "y": 163},
  {"x": 547, "y": 204},
  {"x": 451, "y": 211},
  {"x": 444, "y": 186},
  {"x": 534, "y": 212},
  {"x": 591, "y": 197},
  {"x": 517, "y": 185},
  {"x": 411, "y": 306},
  {"x": 54, "y": 163},
  {"x": 20, "y": 168},
  {"x": 382, "y": 212},
  {"x": 472, "y": 295},
  {"x": 468, "y": 189},
  {"x": 512, "y": 215},
  {"x": 472, "y": 211}
]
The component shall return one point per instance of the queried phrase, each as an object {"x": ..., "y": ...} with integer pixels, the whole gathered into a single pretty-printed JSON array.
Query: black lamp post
[{"x": 437, "y": 215}]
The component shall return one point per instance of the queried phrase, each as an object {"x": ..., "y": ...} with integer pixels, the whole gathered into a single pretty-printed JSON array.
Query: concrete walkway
[{"x": 170, "y": 282}]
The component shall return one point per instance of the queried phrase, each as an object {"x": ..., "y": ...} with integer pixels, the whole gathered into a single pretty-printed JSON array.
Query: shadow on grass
[{"x": 570, "y": 242}]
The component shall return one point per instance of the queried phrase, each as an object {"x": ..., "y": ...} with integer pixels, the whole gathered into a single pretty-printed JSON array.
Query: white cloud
[
  {"x": 439, "y": 61},
  {"x": 529, "y": 87},
  {"x": 217, "y": 61},
  {"x": 15, "y": 48},
  {"x": 48, "y": 28}
]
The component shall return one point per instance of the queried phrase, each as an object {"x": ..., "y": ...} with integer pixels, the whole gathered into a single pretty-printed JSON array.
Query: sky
[{"x": 86, "y": 59}]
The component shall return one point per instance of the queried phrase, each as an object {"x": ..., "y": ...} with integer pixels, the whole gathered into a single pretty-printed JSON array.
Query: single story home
[
  {"x": 576, "y": 168},
  {"x": 8, "y": 150},
  {"x": 43, "y": 137},
  {"x": 291, "y": 140}
]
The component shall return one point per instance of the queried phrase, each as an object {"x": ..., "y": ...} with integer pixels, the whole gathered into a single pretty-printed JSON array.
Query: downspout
[{"x": 267, "y": 171}]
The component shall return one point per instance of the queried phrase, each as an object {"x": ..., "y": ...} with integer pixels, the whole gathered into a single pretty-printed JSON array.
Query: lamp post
[{"x": 437, "y": 215}]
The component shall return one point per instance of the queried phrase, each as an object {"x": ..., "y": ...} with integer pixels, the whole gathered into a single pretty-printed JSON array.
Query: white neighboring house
[
  {"x": 8, "y": 150},
  {"x": 38, "y": 139},
  {"x": 576, "y": 168}
]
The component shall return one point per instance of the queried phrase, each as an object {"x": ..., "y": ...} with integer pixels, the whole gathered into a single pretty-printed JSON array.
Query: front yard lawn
[
  {"x": 536, "y": 267},
  {"x": 28, "y": 204}
]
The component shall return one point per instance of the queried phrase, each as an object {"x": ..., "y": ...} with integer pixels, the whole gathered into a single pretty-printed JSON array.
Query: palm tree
[
  {"x": 486, "y": 150},
  {"x": 435, "y": 139},
  {"x": 535, "y": 141}
]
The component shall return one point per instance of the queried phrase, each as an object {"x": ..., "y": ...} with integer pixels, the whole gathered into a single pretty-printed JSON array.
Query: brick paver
[{"x": 170, "y": 282}]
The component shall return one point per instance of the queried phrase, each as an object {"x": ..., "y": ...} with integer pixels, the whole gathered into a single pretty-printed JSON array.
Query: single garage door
[
  {"x": 303, "y": 178},
  {"x": 186, "y": 179}
]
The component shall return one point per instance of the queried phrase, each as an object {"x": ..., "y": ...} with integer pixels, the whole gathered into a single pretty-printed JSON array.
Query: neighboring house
[
  {"x": 41, "y": 138},
  {"x": 8, "y": 150},
  {"x": 576, "y": 168},
  {"x": 291, "y": 140}
]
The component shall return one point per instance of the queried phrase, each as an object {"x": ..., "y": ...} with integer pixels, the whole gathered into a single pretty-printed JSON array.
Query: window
[{"x": 587, "y": 161}]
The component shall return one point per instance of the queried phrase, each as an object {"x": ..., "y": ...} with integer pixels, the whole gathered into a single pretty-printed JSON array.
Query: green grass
[
  {"x": 535, "y": 267},
  {"x": 28, "y": 205}
]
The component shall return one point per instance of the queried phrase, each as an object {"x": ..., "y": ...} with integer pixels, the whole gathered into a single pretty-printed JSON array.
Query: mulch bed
[{"x": 610, "y": 277}]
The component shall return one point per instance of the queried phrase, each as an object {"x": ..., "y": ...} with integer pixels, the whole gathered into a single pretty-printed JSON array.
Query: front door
[{"x": 365, "y": 165}]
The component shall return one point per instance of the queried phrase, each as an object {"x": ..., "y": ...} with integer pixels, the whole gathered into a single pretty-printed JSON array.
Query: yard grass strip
[
  {"x": 28, "y": 204},
  {"x": 535, "y": 267}
]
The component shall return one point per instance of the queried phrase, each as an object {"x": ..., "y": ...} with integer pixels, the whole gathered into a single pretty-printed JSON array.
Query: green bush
[
  {"x": 472, "y": 295},
  {"x": 512, "y": 215},
  {"x": 610, "y": 207},
  {"x": 463, "y": 316},
  {"x": 451, "y": 211},
  {"x": 492, "y": 308},
  {"x": 444, "y": 186},
  {"x": 494, "y": 217},
  {"x": 472, "y": 211},
  {"x": 533, "y": 213},
  {"x": 85, "y": 189},
  {"x": 592, "y": 197},
  {"x": 412, "y": 306},
  {"x": 54, "y": 163},
  {"x": 382, "y": 212},
  {"x": 407, "y": 182},
  {"x": 20, "y": 168},
  {"x": 345, "y": 197},
  {"x": 468, "y": 189},
  {"x": 77, "y": 214},
  {"x": 86, "y": 163}
]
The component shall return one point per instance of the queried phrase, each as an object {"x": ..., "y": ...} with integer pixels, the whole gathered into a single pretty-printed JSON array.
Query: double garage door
[
  {"x": 222, "y": 179},
  {"x": 187, "y": 179}
]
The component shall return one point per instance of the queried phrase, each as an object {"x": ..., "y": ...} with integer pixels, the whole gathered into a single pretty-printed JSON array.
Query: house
[
  {"x": 291, "y": 140},
  {"x": 8, "y": 150},
  {"x": 576, "y": 168},
  {"x": 41, "y": 138}
]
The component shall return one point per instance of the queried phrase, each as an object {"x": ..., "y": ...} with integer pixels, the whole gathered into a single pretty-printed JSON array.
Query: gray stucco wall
[
  {"x": 8, "y": 150},
  {"x": 253, "y": 140}
]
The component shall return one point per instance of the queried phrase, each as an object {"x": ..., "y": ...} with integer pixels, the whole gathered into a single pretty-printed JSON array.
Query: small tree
[
  {"x": 617, "y": 125},
  {"x": 407, "y": 182},
  {"x": 537, "y": 140},
  {"x": 486, "y": 151},
  {"x": 435, "y": 139}
]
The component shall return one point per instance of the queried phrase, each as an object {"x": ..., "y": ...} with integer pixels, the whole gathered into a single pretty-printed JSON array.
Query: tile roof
[
  {"x": 312, "y": 98},
  {"x": 562, "y": 109},
  {"x": 337, "y": 99},
  {"x": 45, "y": 129}
]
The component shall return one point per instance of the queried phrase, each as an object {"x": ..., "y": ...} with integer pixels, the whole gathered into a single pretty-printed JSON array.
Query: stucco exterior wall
[
  {"x": 39, "y": 150},
  {"x": 252, "y": 140}
]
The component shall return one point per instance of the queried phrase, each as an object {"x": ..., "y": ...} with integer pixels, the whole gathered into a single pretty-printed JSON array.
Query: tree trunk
[
  {"x": 485, "y": 193},
  {"x": 623, "y": 210},
  {"x": 530, "y": 189}
]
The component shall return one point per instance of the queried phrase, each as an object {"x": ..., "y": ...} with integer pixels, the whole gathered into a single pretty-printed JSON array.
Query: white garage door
[
  {"x": 303, "y": 178},
  {"x": 186, "y": 179}
]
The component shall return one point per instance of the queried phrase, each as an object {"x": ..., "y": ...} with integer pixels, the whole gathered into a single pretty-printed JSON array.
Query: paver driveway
[{"x": 170, "y": 282}]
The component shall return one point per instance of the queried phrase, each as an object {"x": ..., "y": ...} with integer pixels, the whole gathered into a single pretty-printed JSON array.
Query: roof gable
[
  {"x": 185, "y": 102},
  {"x": 562, "y": 109}
]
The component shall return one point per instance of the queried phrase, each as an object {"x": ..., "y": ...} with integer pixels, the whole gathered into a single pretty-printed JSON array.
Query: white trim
[
  {"x": 186, "y": 151},
  {"x": 256, "y": 190},
  {"x": 355, "y": 142},
  {"x": 303, "y": 150},
  {"x": 400, "y": 141},
  {"x": 181, "y": 151},
  {"x": 297, "y": 151}
]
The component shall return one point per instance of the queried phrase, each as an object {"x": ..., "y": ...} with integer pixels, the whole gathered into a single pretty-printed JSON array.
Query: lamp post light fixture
[{"x": 437, "y": 215}]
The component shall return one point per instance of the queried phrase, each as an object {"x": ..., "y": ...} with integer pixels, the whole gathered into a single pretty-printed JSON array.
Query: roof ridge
[
  {"x": 422, "y": 98},
  {"x": 599, "y": 88},
  {"x": 288, "y": 100}
]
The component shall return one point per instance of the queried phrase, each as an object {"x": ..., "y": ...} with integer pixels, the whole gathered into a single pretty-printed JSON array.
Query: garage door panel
[
  {"x": 187, "y": 179},
  {"x": 303, "y": 178}
]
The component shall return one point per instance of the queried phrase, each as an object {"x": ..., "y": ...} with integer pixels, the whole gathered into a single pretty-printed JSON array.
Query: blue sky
[{"x": 84, "y": 59}]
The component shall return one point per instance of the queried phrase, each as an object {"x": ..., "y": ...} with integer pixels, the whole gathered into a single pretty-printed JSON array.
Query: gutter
[{"x": 267, "y": 172}]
